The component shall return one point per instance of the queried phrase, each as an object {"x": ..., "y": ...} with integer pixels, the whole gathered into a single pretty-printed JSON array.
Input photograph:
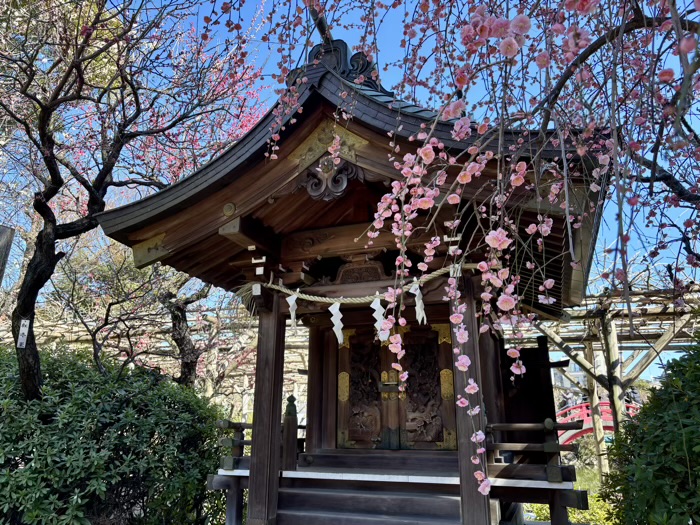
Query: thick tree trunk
[
  {"x": 39, "y": 270},
  {"x": 182, "y": 336}
]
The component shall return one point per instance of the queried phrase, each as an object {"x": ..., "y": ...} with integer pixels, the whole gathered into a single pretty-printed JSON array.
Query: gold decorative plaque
[
  {"x": 444, "y": 333},
  {"x": 347, "y": 333},
  {"x": 343, "y": 386},
  {"x": 447, "y": 387}
]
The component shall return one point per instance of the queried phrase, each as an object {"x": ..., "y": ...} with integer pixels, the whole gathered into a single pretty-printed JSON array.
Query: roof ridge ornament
[{"x": 335, "y": 56}]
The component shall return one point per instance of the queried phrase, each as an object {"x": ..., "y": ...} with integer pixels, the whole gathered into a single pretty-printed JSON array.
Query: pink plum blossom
[
  {"x": 687, "y": 45},
  {"x": 542, "y": 60},
  {"x": 427, "y": 154},
  {"x": 517, "y": 179},
  {"x": 518, "y": 368},
  {"x": 666, "y": 76},
  {"x": 453, "y": 110},
  {"x": 453, "y": 198},
  {"x": 506, "y": 302},
  {"x": 485, "y": 487},
  {"x": 520, "y": 25},
  {"x": 500, "y": 27},
  {"x": 478, "y": 436},
  {"x": 462, "y": 335},
  {"x": 463, "y": 363},
  {"x": 464, "y": 177},
  {"x": 509, "y": 47},
  {"x": 498, "y": 239}
]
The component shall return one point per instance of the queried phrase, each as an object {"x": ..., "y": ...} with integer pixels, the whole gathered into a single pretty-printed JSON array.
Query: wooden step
[
  {"x": 397, "y": 504},
  {"x": 295, "y": 517},
  {"x": 445, "y": 462}
]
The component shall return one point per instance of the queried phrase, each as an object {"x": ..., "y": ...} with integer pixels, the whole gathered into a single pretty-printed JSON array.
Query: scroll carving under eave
[{"x": 328, "y": 181}]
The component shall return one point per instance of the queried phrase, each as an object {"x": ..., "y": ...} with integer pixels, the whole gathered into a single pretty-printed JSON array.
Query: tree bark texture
[
  {"x": 39, "y": 270},
  {"x": 182, "y": 336}
]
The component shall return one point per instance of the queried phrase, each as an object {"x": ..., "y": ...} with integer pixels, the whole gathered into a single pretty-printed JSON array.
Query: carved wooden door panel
[
  {"x": 360, "y": 414},
  {"x": 427, "y": 408},
  {"x": 371, "y": 411}
]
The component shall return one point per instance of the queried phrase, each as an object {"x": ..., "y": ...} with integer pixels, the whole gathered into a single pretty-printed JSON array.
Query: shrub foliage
[
  {"x": 655, "y": 478},
  {"x": 97, "y": 449},
  {"x": 597, "y": 513}
]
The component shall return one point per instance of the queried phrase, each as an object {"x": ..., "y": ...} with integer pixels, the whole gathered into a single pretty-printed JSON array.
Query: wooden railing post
[
  {"x": 289, "y": 436},
  {"x": 235, "y": 444},
  {"x": 558, "y": 515}
]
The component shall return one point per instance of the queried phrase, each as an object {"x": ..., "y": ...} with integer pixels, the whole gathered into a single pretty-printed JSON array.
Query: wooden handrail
[
  {"x": 225, "y": 424},
  {"x": 551, "y": 448},
  {"x": 532, "y": 427}
]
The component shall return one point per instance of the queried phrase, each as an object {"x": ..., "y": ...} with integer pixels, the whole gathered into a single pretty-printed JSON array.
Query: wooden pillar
[
  {"x": 493, "y": 394},
  {"x": 475, "y": 508},
  {"x": 330, "y": 390},
  {"x": 267, "y": 408},
  {"x": 596, "y": 417},
  {"x": 314, "y": 390},
  {"x": 614, "y": 365}
]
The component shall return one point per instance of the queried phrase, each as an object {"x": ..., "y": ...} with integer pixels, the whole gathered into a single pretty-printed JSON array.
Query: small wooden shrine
[{"x": 371, "y": 453}]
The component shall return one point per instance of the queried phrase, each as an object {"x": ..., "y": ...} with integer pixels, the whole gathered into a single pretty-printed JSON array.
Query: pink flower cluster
[
  {"x": 498, "y": 239},
  {"x": 518, "y": 177},
  {"x": 481, "y": 27}
]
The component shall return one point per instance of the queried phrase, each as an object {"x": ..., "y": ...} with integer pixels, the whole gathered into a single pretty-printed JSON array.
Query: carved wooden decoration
[
  {"x": 377, "y": 415},
  {"x": 317, "y": 143},
  {"x": 328, "y": 181},
  {"x": 335, "y": 55},
  {"x": 360, "y": 272},
  {"x": 423, "y": 423}
]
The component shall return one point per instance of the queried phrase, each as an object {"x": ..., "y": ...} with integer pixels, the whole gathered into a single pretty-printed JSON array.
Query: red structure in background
[{"x": 582, "y": 412}]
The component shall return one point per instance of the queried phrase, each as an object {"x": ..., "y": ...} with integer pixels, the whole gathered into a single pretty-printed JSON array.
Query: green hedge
[
  {"x": 112, "y": 450},
  {"x": 655, "y": 461},
  {"x": 598, "y": 512}
]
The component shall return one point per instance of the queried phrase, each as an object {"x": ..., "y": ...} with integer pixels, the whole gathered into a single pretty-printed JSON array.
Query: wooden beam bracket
[
  {"x": 149, "y": 251},
  {"x": 249, "y": 233}
]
